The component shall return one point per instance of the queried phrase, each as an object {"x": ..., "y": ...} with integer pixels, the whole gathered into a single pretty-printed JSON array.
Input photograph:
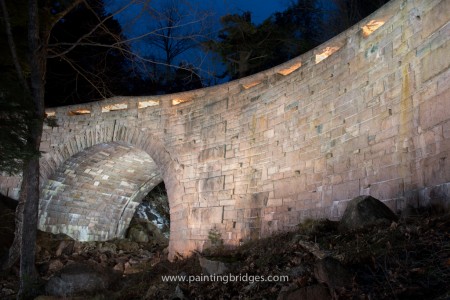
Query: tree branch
[
  {"x": 12, "y": 46},
  {"x": 100, "y": 24}
]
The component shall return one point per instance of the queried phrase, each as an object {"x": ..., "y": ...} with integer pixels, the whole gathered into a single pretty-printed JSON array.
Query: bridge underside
[{"x": 94, "y": 194}]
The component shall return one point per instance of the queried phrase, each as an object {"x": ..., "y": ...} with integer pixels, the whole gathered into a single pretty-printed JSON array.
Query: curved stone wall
[{"x": 365, "y": 113}]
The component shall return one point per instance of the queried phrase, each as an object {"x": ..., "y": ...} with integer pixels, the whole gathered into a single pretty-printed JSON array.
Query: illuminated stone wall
[
  {"x": 368, "y": 112},
  {"x": 93, "y": 195}
]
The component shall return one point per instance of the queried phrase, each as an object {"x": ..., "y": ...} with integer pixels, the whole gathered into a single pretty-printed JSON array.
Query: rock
[
  {"x": 138, "y": 234},
  {"x": 145, "y": 253},
  {"x": 50, "y": 267},
  {"x": 54, "y": 266},
  {"x": 143, "y": 231},
  {"x": 365, "y": 210},
  {"x": 313, "y": 249},
  {"x": 313, "y": 292},
  {"x": 65, "y": 247},
  {"x": 120, "y": 267},
  {"x": 103, "y": 259},
  {"x": 131, "y": 268},
  {"x": 297, "y": 271},
  {"x": 77, "y": 247},
  {"x": 331, "y": 272},
  {"x": 178, "y": 294},
  {"x": 155, "y": 291},
  {"x": 108, "y": 247},
  {"x": 79, "y": 278},
  {"x": 215, "y": 267},
  {"x": 128, "y": 246},
  {"x": 7, "y": 292}
]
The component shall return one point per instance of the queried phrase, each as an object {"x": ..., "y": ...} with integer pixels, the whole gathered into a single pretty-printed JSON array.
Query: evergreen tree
[
  {"x": 246, "y": 48},
  {"x": 15, "y": 102}
]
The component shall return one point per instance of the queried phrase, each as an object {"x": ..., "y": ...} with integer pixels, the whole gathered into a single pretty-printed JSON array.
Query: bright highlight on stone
[
  {"x": 251, "y": 84},
  {"x": 81, "y": 111},
  {"x": 370, "y": 27},
  {"x": 144, "y": 104},
  {"x": 177, "y": 101},
  {"x": 113, "y": 107},
  {"x": 325, "y": 53},
  {"x": 291, "y": 69}
]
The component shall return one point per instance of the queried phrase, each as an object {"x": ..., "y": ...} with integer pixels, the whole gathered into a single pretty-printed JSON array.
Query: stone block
[
  {"x": 387, "y": 189},
  {"x": 435, "y": 62},
  {"x": 274, "y": 202},
  {"x": 217, "y": 152},
  {"x": 256, "y": 200},
  {"x": 214, "y": 132},
  {"x": 434, "y": 110},
  {"x": 206, "y": 215},
  {"x": 289, "y": 186},
  {"x": 230, "y": 215},
  {"x": 345, "y": 190},
  {"x": 435, "y": 18},
  {"x": 211, "y": 184}
]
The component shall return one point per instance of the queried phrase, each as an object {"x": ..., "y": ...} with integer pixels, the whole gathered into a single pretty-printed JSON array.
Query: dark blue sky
[
  {"x": 136, "y": 21},
  {"x": 260, "y": 9}
]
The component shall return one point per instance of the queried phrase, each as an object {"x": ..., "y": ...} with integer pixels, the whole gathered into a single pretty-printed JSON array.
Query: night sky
[
  {"x": 260, "y": 9},
  {"x": 133, "y": 26}
]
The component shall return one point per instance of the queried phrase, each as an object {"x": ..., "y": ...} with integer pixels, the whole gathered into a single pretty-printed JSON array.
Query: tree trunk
[
  {"x": 243, "y": 65},
  {"x": 30, "y": 191},
  {"x": 30, "y": 185}
]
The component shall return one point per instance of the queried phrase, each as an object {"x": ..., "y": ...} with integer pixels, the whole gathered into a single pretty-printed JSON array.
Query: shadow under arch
[{"x": 119, "y": 136}]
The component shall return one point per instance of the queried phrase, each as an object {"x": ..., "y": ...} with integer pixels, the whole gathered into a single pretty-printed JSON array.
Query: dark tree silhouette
[{"x": 86, "y": 73}]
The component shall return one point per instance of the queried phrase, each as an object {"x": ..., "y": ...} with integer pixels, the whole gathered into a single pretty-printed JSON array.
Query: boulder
[
  {"x": 144, "y": 231},
  {"x": 80, "y": 279},
  {"x": 217, "y": 265},
  {"x": 212, "y": 267},
  {"x": 365, "y": 210},
  {"x": 138, "y": 234}
]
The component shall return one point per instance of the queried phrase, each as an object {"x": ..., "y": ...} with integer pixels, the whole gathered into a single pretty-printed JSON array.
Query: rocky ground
[{"x": 404, "y": 259}]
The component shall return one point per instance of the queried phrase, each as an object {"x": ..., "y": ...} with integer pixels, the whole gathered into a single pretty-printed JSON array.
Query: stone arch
[
  {"x": 146, "y": 142},
  {"x": 94, "y": 194},
  {"x": 364, "y": 113}
]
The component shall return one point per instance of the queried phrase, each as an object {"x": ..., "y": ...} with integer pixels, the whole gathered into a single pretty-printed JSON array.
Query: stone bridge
[{"x": 368, "y": 112}]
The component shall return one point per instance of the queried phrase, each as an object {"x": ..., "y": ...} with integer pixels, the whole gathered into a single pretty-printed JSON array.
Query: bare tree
[
  {"x": 27, "y": 210},
  {"x": 177, "y": 29},
  {"x": 32, "y": 81}
]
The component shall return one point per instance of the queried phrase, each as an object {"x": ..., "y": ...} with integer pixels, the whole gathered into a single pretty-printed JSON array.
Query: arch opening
[
  {"x": 94, "y": 194},
  {"x": 151, "y": 220}
]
